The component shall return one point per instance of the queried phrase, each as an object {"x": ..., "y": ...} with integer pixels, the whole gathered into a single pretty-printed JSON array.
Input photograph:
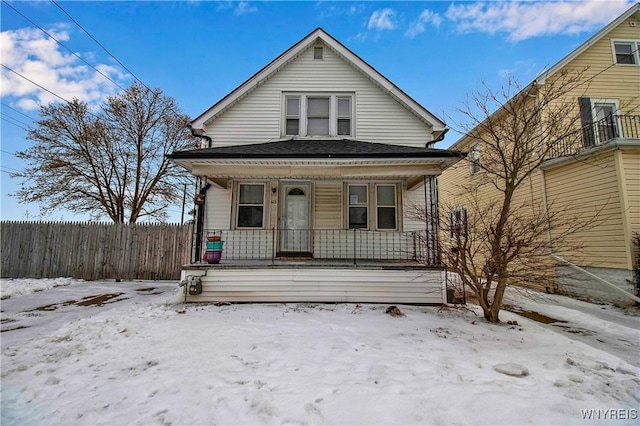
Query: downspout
[
  {"x": 200, "y": 222},
  {"x": 197, "y": 135}
]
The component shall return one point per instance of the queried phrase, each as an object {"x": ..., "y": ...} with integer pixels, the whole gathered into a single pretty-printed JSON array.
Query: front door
[{"x": 294, "y": 217}]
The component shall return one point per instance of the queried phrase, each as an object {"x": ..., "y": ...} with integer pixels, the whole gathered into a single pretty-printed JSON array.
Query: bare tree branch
[{"x": 108, "y": 164}]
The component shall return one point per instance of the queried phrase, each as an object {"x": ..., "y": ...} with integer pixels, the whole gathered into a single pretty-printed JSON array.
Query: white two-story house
[{"x": 312, "y": 172}]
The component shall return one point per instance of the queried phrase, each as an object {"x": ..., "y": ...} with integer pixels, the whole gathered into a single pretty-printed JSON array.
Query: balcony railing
[
  {"x": 353, "y": 245},
  {"x": 598, "y": 133}
]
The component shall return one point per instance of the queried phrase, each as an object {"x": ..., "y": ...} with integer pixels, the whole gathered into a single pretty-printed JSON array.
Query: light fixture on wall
[{"x": 274, "y": 189}]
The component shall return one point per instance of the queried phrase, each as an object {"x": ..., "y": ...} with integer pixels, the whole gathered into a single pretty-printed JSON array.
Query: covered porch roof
[{"x": 317, "y": 159}]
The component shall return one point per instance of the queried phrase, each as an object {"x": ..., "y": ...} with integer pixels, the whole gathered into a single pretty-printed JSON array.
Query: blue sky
[{"x": 197, "y": 52}]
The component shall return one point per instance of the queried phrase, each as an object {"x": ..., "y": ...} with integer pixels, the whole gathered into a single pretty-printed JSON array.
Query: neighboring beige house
[
  {"x": 309, "y": 171},
  {"x": 598, "y": 175}
]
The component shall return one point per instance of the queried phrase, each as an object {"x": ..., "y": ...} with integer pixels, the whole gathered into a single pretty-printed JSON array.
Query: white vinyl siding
[
  {"x": 328, "y": 205},
  {"x": 377, "y": 117},
  {"x": 313, "y": 285},
  {"x": 218, "y": 208}
]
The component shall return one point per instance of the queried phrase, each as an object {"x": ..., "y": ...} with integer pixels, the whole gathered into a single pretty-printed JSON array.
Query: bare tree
[
  {"x": 111, "y": 162},
  {"x": 505, "y": 233}
]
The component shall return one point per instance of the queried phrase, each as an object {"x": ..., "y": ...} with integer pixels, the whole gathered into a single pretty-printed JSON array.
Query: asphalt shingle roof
[{"x": 313, "y": 148}]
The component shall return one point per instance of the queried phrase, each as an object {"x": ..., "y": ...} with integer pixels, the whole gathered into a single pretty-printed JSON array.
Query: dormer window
[
  {"x": 318, "y": 114},
  {"x": 317, "y": 52},
  {"x": 292, "y": 120}
]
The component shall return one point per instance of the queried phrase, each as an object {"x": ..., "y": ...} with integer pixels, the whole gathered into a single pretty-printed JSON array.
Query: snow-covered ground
[{"x": 89, "y": 353}]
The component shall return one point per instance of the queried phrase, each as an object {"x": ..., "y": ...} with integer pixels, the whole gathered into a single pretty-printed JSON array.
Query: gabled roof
[
  {"x": 319, "y": 34},
  {"x": 590, "y": 42},
  {"x": 635, "y": 9},
  {"x": 306, "y": 148}
]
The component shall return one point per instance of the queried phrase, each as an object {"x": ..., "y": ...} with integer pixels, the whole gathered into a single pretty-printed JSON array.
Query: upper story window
[
  {"x": 318, "y": 114},
  {"x": 474, "y": 157},
  {"x": 625, "y": 52}
]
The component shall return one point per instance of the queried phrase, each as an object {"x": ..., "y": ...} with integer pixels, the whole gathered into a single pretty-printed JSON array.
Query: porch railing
[
  {"x": 598, "y": 133},
  {"x": 353, "y": 245}
]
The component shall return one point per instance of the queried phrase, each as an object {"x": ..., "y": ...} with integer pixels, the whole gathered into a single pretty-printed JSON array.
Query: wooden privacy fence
[{"x": 94, "y": 251}]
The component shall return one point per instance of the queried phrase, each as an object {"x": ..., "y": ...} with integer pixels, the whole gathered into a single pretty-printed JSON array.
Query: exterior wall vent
[{"x": 317, "y": 52}]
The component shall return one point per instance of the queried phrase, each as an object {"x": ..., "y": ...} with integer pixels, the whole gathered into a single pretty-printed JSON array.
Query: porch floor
[{"x": 312, "y": 264}]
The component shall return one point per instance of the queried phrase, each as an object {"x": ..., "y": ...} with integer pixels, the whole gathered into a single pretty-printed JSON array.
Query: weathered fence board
[{"x": 93, "y": 251}]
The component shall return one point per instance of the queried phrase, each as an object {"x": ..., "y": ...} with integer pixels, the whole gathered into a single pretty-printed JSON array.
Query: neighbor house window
[
  {"x": 458, "y": 222},
  {"x": 474, "y": 157},
  {"x": 292, "y": 120},
  {"x": 625, "y": 52},
  {"x": 386, "y": 209},
  {"x": 250, "y": 205},
  {"x": 318, "y": 114},
  {"x": 358, "y": 206}
]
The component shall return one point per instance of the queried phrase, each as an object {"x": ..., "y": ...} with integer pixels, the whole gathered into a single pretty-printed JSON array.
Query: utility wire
[
  {"x": 18, "y": 111},
  {"x": 57, "y": 41},
  {"x": 34, "y": 83},
  {"x": 17, "y": 125},
  {"x": 42, "y": 87},
  {"x": 16, "y": 120},
  {"x": 107, "y": 51},
  {"x": 98, "y": 43}
]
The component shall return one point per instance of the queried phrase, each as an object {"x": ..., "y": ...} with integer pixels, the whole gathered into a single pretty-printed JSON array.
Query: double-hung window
[
  {"x": 386, "y": 209},
  {"x": 344, "y": 115},
  {"x": 358, "y": 206},
  {"x": 292, "y": 115},
  {"x": 318, "y": 114},
  {"x": 458, "y": 222},
  {"x": 474, "y": 157},
  {"x": 625, "y": 52},
  {"x": 250, "y": 205}
]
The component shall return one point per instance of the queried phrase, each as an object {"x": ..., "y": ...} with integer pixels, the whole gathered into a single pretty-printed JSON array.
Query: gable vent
[{"x": 317, "y": 52}]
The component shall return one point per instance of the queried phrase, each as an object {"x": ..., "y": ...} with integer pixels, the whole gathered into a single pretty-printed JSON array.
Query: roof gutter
[{"x": 199, "y": 135}]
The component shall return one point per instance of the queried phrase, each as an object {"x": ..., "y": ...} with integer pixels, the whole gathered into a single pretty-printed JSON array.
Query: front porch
[
  {"x": 338, "y": 265},
  {"x": 320, "y": 246}
]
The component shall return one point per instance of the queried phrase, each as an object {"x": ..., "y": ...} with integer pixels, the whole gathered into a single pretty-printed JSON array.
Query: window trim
[
  {"x": 395, "y": 206},
  {"x": 635, "y": 45},
  {"x": 304, "y": 117},
  {"x": 238, "y": 205},
  {"x": 365, "y": 205}
]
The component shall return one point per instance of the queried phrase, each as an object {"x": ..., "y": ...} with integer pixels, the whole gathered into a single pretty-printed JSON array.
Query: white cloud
[
  {"x": 523, "y": 20},
  {"x": 243, "y": 8},
  {"x": 382, "y": 19},
  {"x": 425, "y": 18},
  {"x": 39, "y": 58}
]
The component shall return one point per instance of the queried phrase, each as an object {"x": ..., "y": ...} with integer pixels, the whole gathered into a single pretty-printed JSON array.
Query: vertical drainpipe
[
  {"x": 200, "y": 223},
  {"x": 200, "y": 207}
]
